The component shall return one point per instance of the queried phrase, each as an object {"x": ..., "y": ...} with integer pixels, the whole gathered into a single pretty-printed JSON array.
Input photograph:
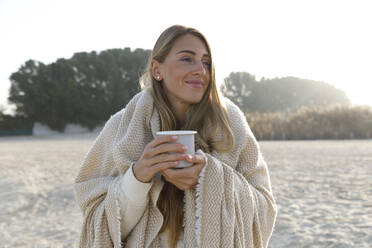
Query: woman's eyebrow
[{"x": 192, "y": 52}]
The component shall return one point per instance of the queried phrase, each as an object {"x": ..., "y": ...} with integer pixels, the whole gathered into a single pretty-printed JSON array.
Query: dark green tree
[{"x": 85, "y": 89}]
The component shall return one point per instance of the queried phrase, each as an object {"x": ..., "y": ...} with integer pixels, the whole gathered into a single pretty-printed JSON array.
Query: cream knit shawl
[{"x": 232, "y": 205}]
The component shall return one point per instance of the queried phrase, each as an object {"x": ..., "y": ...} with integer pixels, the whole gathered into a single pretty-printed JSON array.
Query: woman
[{"x": 127, "y": 188}]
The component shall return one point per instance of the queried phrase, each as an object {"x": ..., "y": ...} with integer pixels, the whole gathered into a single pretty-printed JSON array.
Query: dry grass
[{"x": 336, "y": 122}]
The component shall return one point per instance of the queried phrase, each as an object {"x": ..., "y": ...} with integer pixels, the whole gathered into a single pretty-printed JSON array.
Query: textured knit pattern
[{"x": 232, "y": 205}]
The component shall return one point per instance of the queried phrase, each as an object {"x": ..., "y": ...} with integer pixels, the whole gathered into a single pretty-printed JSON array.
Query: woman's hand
[
  {"x": 186, "y": 178},
  {"x": 155, "y": 157}
]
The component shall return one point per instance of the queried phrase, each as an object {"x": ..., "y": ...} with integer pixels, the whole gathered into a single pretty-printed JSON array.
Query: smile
[{"x": 195, "y": 83}]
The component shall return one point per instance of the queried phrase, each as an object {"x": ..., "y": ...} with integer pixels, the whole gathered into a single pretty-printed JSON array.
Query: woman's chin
[{"x": 193, "y": 100}]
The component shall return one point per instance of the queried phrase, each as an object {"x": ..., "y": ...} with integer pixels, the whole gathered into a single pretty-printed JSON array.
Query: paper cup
[{"x": 185, "y": 137}]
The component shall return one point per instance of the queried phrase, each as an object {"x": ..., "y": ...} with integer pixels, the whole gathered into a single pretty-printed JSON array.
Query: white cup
[{"x": 185, "y": 137}]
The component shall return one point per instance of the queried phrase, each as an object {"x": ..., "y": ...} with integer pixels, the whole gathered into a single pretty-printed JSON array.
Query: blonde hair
[{"x": 204, "y": 117}]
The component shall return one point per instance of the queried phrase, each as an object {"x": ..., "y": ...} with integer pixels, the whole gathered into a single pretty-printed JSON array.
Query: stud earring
[{"x": 158, "y": 77}]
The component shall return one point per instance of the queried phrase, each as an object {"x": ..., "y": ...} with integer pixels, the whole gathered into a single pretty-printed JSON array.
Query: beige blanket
[{"x": 232, "y": 205}]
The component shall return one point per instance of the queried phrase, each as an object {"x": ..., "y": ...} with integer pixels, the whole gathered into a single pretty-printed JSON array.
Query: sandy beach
[{"x": 323, "y": 190}]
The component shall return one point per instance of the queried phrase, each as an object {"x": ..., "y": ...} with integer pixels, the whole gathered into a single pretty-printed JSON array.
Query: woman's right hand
[{"x": 156, "y": 157}]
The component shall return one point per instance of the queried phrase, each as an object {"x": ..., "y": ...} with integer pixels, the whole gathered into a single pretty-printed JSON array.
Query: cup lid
[{"x": 176, "y": 132}]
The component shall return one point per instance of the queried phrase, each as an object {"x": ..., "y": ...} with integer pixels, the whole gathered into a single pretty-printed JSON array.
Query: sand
[
  {"x": 323, "y": 190},
  {"x": 324, "y": 193}
]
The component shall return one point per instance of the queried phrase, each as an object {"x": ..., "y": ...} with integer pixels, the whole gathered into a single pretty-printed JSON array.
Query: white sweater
[{"x": 133, "y": 198}]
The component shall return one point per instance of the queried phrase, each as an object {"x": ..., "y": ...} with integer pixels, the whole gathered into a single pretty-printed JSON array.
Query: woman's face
[{"x": 185, "y": 72}]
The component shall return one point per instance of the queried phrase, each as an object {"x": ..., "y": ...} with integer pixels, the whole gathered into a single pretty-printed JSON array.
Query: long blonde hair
[{"x": 205, "y": 117}]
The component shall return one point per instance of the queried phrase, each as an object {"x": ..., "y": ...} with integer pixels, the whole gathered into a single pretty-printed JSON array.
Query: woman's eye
[
  {"x": 207, "y": 63},
  {"x": 190, "y": 60},
  {"x": 187, "y": 59}
]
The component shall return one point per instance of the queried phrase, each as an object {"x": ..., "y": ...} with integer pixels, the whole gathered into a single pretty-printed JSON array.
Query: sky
[{"x": 324, "y": 40}]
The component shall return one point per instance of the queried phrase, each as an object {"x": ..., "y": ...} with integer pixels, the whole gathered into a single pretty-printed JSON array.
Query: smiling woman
[
  {"x": 130, "y": 192},
  {"x": 184, "y": 74}
]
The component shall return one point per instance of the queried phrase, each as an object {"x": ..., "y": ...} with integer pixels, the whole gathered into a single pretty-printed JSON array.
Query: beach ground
[{"x": 323, "y": 190}]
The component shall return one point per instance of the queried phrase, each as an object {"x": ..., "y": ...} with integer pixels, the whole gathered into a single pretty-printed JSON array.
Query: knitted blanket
[{"x": 231, "y": 206}]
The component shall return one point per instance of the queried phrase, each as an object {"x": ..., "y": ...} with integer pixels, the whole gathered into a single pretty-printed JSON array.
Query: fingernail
[
  {"x": 184, "y": 148},
  {"x": 174, "y": 137},
  {"x": 187, "y": 156}
]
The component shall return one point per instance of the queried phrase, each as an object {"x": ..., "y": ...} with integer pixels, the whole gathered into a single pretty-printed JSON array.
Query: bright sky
[{"x": 322, "y": 40}]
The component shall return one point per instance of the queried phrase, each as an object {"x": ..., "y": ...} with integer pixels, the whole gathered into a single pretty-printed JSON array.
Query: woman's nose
[{"x": 200, "y": 68}]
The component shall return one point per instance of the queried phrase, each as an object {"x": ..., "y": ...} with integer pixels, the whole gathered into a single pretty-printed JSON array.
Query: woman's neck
[{"x": 179, "y": 110}]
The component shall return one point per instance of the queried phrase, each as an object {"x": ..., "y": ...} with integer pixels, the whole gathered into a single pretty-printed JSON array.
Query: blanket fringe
[
  {"x": 198, "y": 200},
  {"x": 119, "y": 216}
]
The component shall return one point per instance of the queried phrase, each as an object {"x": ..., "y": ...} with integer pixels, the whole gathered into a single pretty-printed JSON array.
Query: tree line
[
  {"x": 285, "y": 94},
  {"x": 89, "y": 87},
  {"x": 85, "y": 89}
]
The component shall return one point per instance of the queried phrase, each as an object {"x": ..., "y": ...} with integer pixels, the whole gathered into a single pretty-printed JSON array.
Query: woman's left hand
[{"x": 186, "y": 178}]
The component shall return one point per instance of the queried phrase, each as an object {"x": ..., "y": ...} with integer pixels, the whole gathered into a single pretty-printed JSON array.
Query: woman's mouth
[{"x": 195, "y": 83}]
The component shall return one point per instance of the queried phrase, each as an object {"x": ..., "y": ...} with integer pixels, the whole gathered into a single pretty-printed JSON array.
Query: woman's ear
[{"x": 155, "y": 70}]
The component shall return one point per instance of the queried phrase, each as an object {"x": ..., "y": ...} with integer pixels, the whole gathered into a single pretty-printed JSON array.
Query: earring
[{"x": 158, "y": 77}]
